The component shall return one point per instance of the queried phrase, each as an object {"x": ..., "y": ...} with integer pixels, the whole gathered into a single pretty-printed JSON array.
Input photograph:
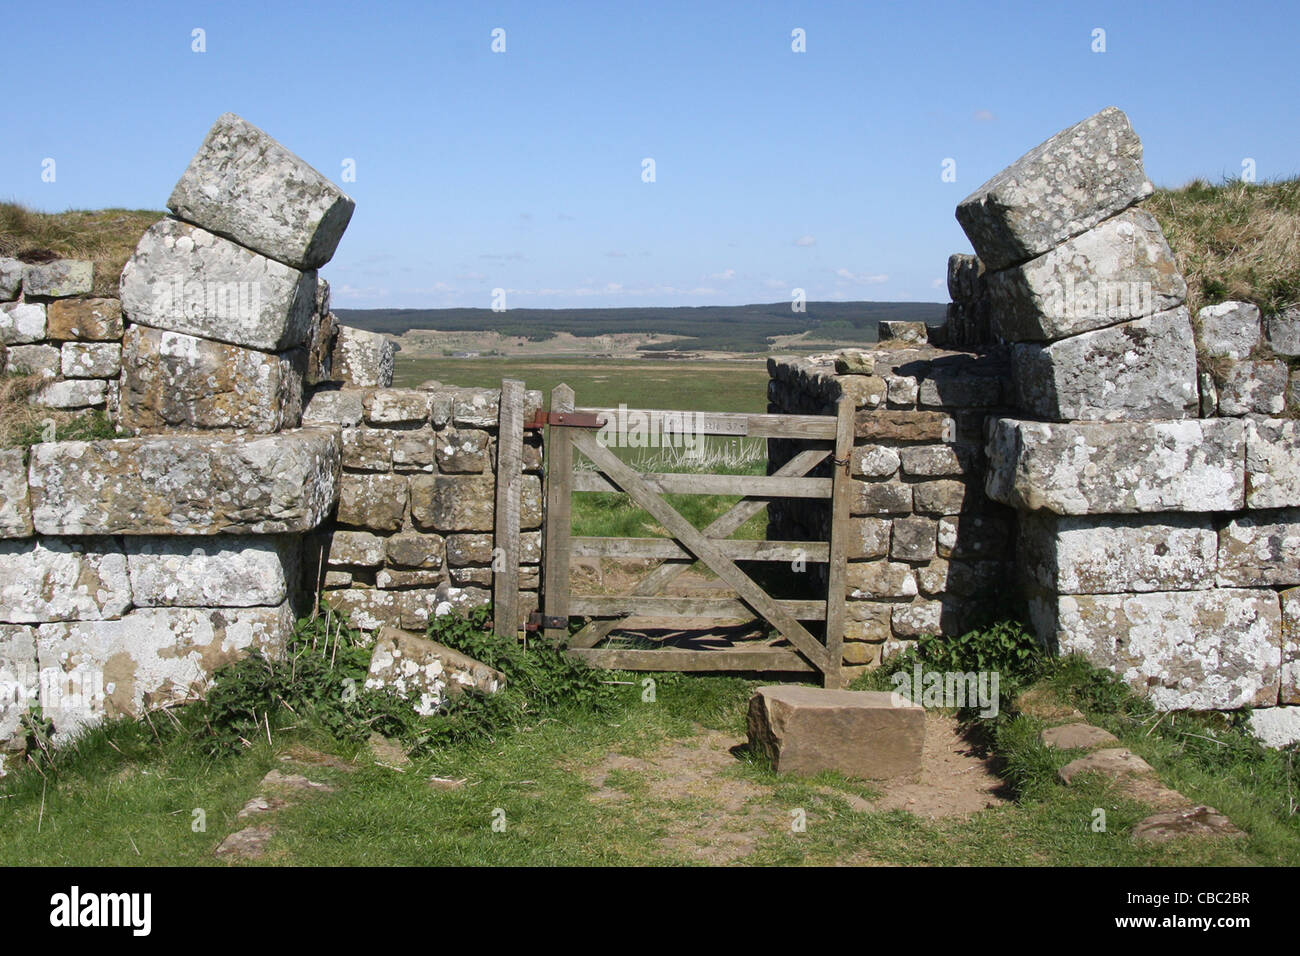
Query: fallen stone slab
[
  {"x": 1072, "y": 736},
  {"x": 1059, "y": 189},
  {"x": 186, "y": 484},
  {"x": 1115, "y": 272},
  {"x": 1120, "y": 467},
  {"x": 426, "y": 672},
  {"x": 1114, "y": 762},
  {"x": 244, "y": 185},
  {"x": 1143, "y": 369},
  {"x": 1183, "y": 824},
  {"x": 185, "y": 279},
  {"x": 249, "y": 843},
  {"x": 863, "y": 734}
]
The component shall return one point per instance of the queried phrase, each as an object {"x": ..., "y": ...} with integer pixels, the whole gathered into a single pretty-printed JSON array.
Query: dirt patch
[{"x": 713, "y": 815}]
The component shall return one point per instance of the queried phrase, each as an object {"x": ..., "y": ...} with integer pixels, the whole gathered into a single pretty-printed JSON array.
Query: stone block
[
  {"x": 946, "y": 496},
  {"x": 973, "y": 536},
  {"x": 881, "y": 498},
  {"x": 337, "y": 406},
  {"x": 1254, "y": 388},
  {"x": 874, "y": 461},
  {"x": 453, "y": 502},
  {"x": 1276, "y": 727},
  {"x": 15, "y": 506},
  {"x": 1229, "y": 330},
  {"x": 19, "y": 679},
  {"x": 411, "y": 549},
  {"x": 171, "y": 380},
  {"x": 376, "y": 502},
  {"x": 62, "y": 579},
  {"x": 22, "y": 323},
  {"x": 904, "y": 333},
  {"x": 1144, "y": 369},
  {"x": 397, "y": 406},
  {"x": 467, "y": 549},
  {"x": 1113, "y": 554},
  {"x": 1260, "y": 548},
  {"x": 363, "y": 359},
  {"x": 91, "y": 359},
  {"x": 368, "y": 449},
  {"x": 72, "y": 394},
  {"x": 244, "y": 185},
  {"x": 211, "y": 572},
  {"x": 867, "y": 538},
  {"x": 961, "y": 391},
  {"x": 463, "y": 451},
  {"x": 1119, "y": 468},
  {"x": 877, "y": 425},
  {"x": 185, "y": 279},
  {"x": 913, "y": 539},
  {"x": 186, "y": 484},
  {"x": 42, "y": 360},
  {"x": 61, "y": 277},
  {"x": 1283, "y": 332},
  {"x": 917, "y": 619},
  {"x": 1272, "y": 463},
  {"x": 356, "y": 549},
  {"x": 869, "y": 735},
  {"x": 85, "y": 320},
  {"x": 11, "y": 279},
  {"x": 1120, "y": 270},
  {"x": 879, "y": 579},
  {"x": 413, "y": 449},
  {"x": 425, "y": 672},
  {"x": 1289, "y": 692},
  {"x": 476, "y": 408},
  {"x": 1057, "y": 190}
]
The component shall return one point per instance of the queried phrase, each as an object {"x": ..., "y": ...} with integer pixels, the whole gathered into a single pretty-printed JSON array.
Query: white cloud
[
  {"x": 864, "y": 278},
  {"x": 724, "y": 274},
  {"x": 805, "y": 241}
]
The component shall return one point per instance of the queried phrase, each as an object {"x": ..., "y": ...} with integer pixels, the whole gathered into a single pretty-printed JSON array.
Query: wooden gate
[{"x": 791, "y": 647}]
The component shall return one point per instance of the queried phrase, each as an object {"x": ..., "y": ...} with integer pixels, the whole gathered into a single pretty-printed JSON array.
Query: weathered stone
[
  {"x": 867, "y": 621},
  {"x": 929, "y": 461},
  {"x": 866, "y": 391},
  {"x": 1260, "y": 548},
  {"x": 1144, "y": 369},
  {"x": 1184, "y": 650},
  {"x": 893, "y": 425},
  {"x": 1209, "y": 405},
  {"x": 244, "y": 185},
  {"x": 960, "y": 391},
  {"x": 42, "y": 360},
  {"x": 848, "y": 362},
  {"x": 1073, "y": 736},
  {"x": 874, "y": 461},
  {"x": 917, "y": 619},
  {"x": 1057, "y": 190},
  {"x": 881, "y": 498},
  {"x": 1289, "y": 691},
  {"x": 1114, "y": 762},
  {"x": 965, "y": 578},
  {"x": 1276, "y": 727},
  {"x": 368, "y": 449},
  {"x": 879, "y": 579},
  {"x": 341, "y": 406},
  {"x": 367, "y": 609},
  {"x": 413, "y": 450},
  {"x": 1284, "y": 332},
  {"x": 1254, "y": 388},
  {"x": 1272, "y": 464},
  {"x": 862, "y": 734},
  {"x": 19, "y": 679},
  {"x": 453, "y": 502},
  {"x": 1119, "y": 468},
  {"x": 58, "y": 278},
  {"x": 72, "y": 394},
  {"x": 186, "y": 484},
  {"x": 22, "y": 323},
  {"x": 476, "y": 408},
  {"x": 913, "y": 539},
  {"x": 947, "y": 496},
  {"x": 463, "y": 451},
  {"x": 208, "y": 572},
  {"x": 11, "y": 279},
  {"x": 15, "y": 507},
  {"x": 867, "y": 538},
  {"x": 91, "y": 359},
  {"x": 184, "y": 279},
  {"x": 902, "y": 390},
  {"x": 397, "y": 406},
  {"x": 360, "y": 358},
  {"x": 905, "y": 333},
  {"x": 1228, "y": 330},
  {"x": 390, "y": 578},
  {"x": 356, "y": 549},
  {"x": 172, "y": 380},
  {"x": 62, "y": 579},
  {"x": 425, "y": 672},
  {"x": 377, "y": 502},
  {"x": 94, "y": 669},
  {"x": 1182, "y": 824},
  {"x": 466, "y": 549},
  {"x": 1121, "y": 269},
  {"x": 85, "y": 320},
  {"x": 973, "y": 536},
  {"x": 1112, "y": 554}
]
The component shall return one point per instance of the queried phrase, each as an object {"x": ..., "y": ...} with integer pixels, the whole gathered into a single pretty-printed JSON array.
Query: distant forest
[{"x": 726, "y": 328}]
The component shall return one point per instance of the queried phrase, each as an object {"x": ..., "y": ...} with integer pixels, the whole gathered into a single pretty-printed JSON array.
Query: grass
[
  {"x": 137, "y": 800},
  {"x": 107, "y": 237},
  {"x": 1234, "y": 241},
  {"x": 23, "y": 424}
]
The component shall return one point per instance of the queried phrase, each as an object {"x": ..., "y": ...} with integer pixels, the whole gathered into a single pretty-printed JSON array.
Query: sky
[{"x": 524, "y": 169}]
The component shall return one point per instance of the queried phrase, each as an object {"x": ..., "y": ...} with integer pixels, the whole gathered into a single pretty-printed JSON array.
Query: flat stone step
[
  {"x": 1072, "y": 736},
  {"x": 1114, "y": 762},
  {"x": 869, "y": 735},
  {"x": 1182, "y": 824}
]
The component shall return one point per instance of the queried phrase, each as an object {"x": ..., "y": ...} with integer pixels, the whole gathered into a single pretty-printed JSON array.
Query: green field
[{"x": 734, "y": 386}]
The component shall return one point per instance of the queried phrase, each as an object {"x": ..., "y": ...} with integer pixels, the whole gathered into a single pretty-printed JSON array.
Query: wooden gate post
[
  {"x": 510, "y": 480},
  {"x": 841, "y": 498},
  {"x": 558, "y": 517}
]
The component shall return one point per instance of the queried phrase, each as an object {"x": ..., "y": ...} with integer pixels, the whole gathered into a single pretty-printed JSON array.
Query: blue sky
[{"x": 522, "y": 170}]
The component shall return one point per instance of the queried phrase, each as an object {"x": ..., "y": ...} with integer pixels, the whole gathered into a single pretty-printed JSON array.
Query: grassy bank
[{"x": 106, "y": 237}]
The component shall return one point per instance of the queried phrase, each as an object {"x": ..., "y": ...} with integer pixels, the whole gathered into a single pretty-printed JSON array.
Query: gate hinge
[
  {"x": 541, "y": 419},
  {"x": 538, "y": 621}
]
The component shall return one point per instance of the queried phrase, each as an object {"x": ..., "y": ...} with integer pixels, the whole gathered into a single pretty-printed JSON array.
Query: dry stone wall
[{"x": 265, "y": 457}]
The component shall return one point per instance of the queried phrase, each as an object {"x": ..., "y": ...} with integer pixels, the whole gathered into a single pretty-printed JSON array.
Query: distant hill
[{"x": 728, "y": 328}]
